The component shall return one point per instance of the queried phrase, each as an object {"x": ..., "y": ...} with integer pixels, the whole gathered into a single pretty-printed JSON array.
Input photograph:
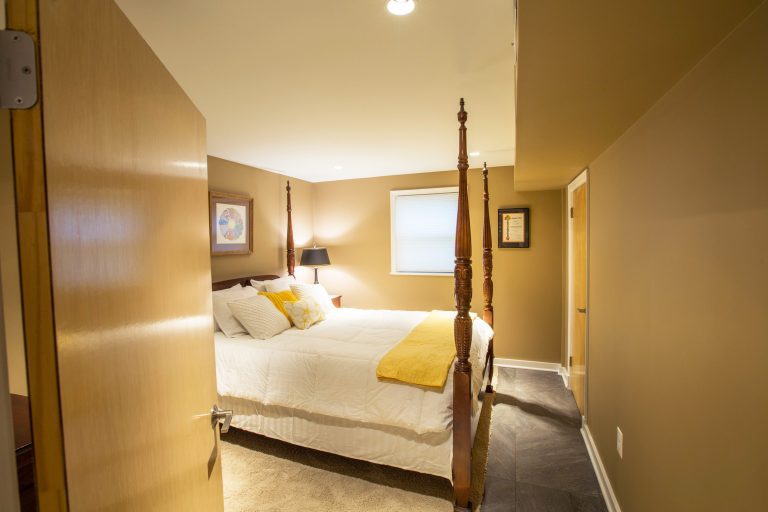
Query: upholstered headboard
[{"x": 245, "y": 281}]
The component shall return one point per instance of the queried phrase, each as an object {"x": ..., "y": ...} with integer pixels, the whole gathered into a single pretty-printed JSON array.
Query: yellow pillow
[{"x": 277, "y": 298}]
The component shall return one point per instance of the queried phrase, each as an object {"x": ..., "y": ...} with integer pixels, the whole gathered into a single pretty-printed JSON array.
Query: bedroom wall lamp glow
[{"x": 400, "y": 7}]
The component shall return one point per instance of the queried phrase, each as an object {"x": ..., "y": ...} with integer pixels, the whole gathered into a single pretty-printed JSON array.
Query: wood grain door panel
[
  {"x": 126, "y": 177},
  {"x": 579, "y": 299}
]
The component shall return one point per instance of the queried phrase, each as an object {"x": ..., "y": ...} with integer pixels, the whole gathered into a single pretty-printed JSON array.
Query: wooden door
[
  {"x": 112, "y": 165},
  {"x": 579, "y": 298}
]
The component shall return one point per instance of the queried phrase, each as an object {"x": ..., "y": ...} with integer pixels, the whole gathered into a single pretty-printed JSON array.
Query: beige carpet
[{"x": 261, "y": 474}]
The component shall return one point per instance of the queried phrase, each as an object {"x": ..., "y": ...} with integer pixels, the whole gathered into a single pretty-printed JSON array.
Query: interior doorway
[{"x": 578, "y": 310}]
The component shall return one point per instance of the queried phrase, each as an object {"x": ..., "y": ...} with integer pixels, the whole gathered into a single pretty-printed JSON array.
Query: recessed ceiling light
[
  {"x": 474, "y": 153},
  {"x": 338, "y": 167},
  {"x": 400, "y": 7}
]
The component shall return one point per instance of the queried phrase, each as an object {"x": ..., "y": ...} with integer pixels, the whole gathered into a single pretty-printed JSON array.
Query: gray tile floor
[{"x": 537, "y": 460}]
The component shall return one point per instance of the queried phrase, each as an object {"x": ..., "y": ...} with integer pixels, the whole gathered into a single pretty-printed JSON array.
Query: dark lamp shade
[{"x": 314, "y": 257}]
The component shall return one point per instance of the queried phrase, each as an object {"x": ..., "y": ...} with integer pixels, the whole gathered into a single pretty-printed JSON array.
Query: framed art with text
[
  {"x": 231, "y": 217},
  {"x": 514, "y": 228}
]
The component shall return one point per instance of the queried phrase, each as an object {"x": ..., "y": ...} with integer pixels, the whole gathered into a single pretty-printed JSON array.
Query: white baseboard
[
  {"x": 602, "y": 476},
  {"x": 566, "y": 375},
  {"x": 528, "y": 365}
]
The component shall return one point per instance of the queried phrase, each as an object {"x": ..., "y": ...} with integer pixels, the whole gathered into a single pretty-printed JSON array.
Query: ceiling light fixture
[
  {"x": 400, "y": 7},
  {"x": 474, "y": 153},
  {"x": 338, "y": 167}
]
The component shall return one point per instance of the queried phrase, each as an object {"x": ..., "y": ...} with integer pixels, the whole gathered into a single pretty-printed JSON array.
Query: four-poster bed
[{"x": 383, "y": 429}]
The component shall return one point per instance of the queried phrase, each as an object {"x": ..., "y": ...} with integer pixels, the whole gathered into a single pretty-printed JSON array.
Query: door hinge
[
  {"x": 571, "y": 211},
  {"x": 570, "y": 360},
  {"x": 18, "y": 76}
]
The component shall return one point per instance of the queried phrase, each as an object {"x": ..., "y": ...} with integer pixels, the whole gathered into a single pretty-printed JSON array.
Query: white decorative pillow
[
  {"x": 259, "y": 285},
  {"x": 316, "y": 292},
  {"x": 227, "y": 291},
  {"x": 222, "y": 314},
  {"x": 259, "y": 316},
  {"x": 279, "y": 285},
  {"x": 304, "y": 312}
]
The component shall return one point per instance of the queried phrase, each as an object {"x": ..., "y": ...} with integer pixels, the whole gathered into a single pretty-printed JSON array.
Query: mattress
[
  {"x": 330, "y": 370},
  {"x": 430, "y": 453}
]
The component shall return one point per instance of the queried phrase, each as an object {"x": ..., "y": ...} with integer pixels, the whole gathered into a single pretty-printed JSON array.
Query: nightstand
[{"x": 336, "y": 299}]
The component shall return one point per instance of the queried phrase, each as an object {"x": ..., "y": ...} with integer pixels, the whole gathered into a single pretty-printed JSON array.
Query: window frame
[{"x": 393, "y": 195}]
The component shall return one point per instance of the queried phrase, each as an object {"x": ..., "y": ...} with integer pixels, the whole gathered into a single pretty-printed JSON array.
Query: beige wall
[
  {"x": 352, "y": 219},
  {"x": 679, "y": 290},
  {"x": 269, "y": 218},
  {"x": 14, "y": 333}
]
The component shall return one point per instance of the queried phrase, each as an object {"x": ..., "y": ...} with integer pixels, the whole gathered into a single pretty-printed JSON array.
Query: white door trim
[{"x": 578, "y": 181}]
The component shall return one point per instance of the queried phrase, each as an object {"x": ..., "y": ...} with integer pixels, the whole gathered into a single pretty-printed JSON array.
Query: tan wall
[
  {"x": 352, "y": 219},
  {"x": 14, "y": 332},
  {"x": 269, "y": 218},
  {"x": 679, "y": 290}
]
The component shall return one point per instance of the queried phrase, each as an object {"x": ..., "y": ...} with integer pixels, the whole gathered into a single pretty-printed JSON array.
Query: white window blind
[{"x": 423, "y": 230}]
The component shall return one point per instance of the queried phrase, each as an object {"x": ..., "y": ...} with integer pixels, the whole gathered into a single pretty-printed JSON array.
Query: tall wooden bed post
[
  {"x": 291, "y": 253},
  {"x": 462, "y": 328},
  {"x": 487, "y": 274}
]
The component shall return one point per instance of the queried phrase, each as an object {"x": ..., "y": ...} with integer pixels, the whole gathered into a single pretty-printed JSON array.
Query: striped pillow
[
  {"x": 259, "y": 316},
  {"x": 222, "y": 314}
]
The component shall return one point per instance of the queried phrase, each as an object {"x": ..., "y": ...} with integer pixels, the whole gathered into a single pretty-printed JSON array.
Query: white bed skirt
[{"x": 429, "y": 453}]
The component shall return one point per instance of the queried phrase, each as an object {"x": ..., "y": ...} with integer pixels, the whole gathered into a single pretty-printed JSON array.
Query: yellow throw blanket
[{"x": 425, "y": 355}]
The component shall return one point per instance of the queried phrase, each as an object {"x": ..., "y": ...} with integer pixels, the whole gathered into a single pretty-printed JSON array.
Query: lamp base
[{"x": 316, "y": 281}]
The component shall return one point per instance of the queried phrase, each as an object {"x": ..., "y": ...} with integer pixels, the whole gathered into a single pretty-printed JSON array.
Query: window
[{"x": 423, "y": 230}]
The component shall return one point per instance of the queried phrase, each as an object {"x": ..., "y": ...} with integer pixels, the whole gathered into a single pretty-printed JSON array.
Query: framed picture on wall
[
  {"x": 514, "y": 228},
  {"x": 231, "y": 217}
]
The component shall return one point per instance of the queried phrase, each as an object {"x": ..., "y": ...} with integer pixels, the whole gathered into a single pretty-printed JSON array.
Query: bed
[{"x": 318, "y": 387}]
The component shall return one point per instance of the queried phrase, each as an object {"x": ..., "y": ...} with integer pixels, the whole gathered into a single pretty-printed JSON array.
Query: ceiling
[
  {"x": 588, "y": 70},
  {"x": 326, "y": 90}
]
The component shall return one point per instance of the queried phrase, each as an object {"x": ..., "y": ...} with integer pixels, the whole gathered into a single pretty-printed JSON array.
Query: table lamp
[{"x": 315, "y": 257}]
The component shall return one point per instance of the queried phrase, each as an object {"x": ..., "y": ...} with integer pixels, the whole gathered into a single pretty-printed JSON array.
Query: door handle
[
  {"x": 218, "y": 415},
  {"x": 581, "y": 310}
]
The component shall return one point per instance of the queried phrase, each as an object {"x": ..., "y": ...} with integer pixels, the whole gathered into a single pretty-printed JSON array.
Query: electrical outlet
[{"x": 620, "y": 442}]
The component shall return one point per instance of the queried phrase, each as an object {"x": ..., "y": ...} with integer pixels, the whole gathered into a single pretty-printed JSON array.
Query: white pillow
[
  {"x": 259, "y": 316},
  {"x": 279, "y": 285},
  {"x": 259, "y": 285},
  {"x": 222, "y": 314},
  {"x": 316, "y": 292},
  {"x": 304, "y": 312},
  {"x": 238, "y": 286}
]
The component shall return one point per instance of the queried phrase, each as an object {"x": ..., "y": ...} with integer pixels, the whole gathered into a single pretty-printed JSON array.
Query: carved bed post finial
[
  {"x": 291, "y": 253},
  {"x": 462, "y": 327},
  {"x": 487, "y": 253},
  {"x": 463, "y": 270}
]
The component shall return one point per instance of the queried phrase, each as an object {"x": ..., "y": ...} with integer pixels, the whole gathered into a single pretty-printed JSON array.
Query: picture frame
[
  {"x": 514, "y": 228},
  {"x": 231, "y": 223}
]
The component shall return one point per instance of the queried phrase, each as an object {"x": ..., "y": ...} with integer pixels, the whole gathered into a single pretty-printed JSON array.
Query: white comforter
[{"x": 330, "y": 369}]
